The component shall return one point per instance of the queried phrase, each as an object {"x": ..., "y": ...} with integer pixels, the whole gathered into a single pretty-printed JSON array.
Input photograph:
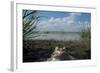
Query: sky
[{"x": 63, "y": 21}]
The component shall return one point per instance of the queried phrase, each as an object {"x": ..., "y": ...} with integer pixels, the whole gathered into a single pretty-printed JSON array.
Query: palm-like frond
[{"x": 30, "y": 21}]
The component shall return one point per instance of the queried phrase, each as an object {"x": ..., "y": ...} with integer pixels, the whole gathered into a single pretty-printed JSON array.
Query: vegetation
[
  {"x": 86, "y": 37},
  {"x": 30, "y": 21},
  {"x": 86, "y": 34},
  {"x": 41, "y": 50}
]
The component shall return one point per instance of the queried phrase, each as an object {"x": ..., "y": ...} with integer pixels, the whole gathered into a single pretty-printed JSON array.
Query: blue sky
[{"x": 63, "y": 21}]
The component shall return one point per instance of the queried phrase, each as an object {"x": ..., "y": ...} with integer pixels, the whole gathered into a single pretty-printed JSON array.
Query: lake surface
[{"x": 57, "y": 36}]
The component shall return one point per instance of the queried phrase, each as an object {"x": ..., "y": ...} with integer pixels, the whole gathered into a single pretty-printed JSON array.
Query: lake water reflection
[{"x": 57, "y": 36}]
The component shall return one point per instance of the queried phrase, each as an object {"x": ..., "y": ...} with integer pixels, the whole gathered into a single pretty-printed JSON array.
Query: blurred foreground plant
[{"x": 30, "y": 21}]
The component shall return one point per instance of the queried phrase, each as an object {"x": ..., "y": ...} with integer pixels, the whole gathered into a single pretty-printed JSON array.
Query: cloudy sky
[{"x": 63, "y": 21}]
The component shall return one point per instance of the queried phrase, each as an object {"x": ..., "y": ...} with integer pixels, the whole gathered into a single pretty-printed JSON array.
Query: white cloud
[{"x": 67, "y": 23}]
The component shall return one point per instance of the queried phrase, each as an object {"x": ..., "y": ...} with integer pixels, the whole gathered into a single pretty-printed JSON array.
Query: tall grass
[
  {"x": 86, "y": 34},
  {"x": 86, "y": 38}
]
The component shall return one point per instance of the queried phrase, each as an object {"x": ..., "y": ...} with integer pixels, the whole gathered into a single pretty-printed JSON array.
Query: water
[{"x": 57, "y": 36}]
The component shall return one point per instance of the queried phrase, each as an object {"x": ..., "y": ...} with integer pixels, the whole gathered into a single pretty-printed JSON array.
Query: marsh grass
[{"x": 41, "y": 50}]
